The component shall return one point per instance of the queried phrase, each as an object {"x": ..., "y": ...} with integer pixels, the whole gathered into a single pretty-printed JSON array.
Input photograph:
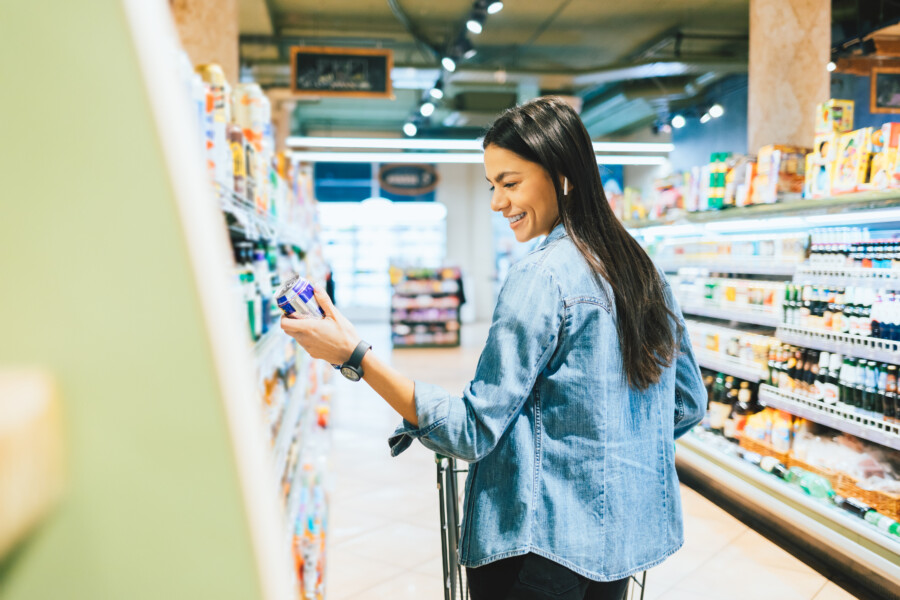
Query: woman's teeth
[{"x": 516, "y": 218}]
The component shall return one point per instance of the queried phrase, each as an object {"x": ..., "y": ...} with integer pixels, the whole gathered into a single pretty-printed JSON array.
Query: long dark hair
[{"x": 549, "y": 132}]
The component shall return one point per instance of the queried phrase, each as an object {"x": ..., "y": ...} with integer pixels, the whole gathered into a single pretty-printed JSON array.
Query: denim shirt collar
[{"x": 558, "y": 232}]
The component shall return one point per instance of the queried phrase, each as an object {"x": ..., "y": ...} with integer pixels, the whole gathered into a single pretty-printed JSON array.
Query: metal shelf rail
[
  {"x": 836, "y": 416},
  {"x": 877, "y": 349}
]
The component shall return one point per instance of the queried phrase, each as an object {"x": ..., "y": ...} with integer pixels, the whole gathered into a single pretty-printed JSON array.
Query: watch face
[{"x": 350, "y": 374}]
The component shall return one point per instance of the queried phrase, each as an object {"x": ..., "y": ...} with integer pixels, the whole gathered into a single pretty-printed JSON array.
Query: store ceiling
[{"x": 639, "y": 56}]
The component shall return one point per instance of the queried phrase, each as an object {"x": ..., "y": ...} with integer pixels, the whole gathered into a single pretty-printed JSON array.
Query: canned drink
[{"x": 296, "y": 298}]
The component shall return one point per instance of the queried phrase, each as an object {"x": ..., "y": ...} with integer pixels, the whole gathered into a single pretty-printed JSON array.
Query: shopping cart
[{"x": 450, "y": 495}]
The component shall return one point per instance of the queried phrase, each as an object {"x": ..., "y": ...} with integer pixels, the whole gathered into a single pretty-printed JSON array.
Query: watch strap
[{"x": 355, "y": 360}]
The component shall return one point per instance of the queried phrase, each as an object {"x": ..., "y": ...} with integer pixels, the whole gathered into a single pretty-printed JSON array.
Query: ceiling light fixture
[
  {"x": 355, "y": 143},
  {"x": 409, "y": 128},
  {"x": 427, "y": 109},
  {"x": 831, "y": 66},
  {"x": 705, "y": 118},
  {"x": 716, "y": 111},
  {"x": 448, "y": 63},
  {"x": 494, "y": 7},
  {"x": 437, "y": 92},
  {"x": 475, "y": 23},
  {"x": 446, "y": 157},
  {"x": 678, "y": 121}
]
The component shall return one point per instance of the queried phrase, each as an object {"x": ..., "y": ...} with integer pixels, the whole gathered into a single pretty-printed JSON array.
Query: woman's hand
[{"x": 332, "y": 339}]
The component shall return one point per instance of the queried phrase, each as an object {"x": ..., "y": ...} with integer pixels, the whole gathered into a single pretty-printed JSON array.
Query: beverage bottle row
[
  {"x": 865, "y": 386},
  {"x": 847, "y": 247},
  {"x": 819, "y": 487},
  {"x": 730, "y": 401},
  {"x": 259, "y": 270},
  {"x": 854, "y": 310}
]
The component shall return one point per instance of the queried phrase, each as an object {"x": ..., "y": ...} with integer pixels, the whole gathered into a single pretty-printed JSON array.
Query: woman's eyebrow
[{"x": 502, "y": 175}]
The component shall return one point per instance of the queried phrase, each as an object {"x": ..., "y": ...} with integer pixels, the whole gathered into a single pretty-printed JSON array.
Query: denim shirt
[{"x": 568, "y": 461}]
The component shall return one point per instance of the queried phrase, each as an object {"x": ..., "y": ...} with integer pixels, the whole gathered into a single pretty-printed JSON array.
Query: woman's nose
[{"x": 498, "y": 203}]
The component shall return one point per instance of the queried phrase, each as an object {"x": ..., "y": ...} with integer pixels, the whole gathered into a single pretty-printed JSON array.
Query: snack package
[
  {"x": 834, "y": 116},
  {"x": 852, "y": 165},
  {"x": 820, "y": 166}
]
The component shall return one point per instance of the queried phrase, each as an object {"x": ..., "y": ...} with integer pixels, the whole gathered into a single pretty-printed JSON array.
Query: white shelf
[
  {"x": 836, "y": 416},
  {"x": 748, "y": 266},
  {"x": 729, "y": 365},
  {"x": 295, "y": 404},
  {"x": 853, "y": 540},
  {"x": 739, "y": 314},
  {"x": 256, "y": 225},
  {"x": 876, "y": 349},
  {"x": 843, "y": 277}
]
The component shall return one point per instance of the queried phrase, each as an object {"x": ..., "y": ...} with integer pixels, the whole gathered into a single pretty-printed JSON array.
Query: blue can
[{"x": 296, "y": 298}]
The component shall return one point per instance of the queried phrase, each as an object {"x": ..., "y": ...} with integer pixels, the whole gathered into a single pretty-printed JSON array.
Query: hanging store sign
[
  {"x": 344, "y": 72},
  {"x": 408, "y": 180}
]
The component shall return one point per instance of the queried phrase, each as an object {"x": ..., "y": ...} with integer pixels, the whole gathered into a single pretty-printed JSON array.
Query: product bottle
[
  {"x": 821, "y": 381},
  {"x": 773, "y": 365},
  {"x": 830, "y": 389},
  {"x": 871, "y": 405},
  {"x": 889, "y": 400},
  {"x": 806, "y": 306},
  {"x": 814, "y": 485},
  {"x": 837, "y": 323},
  {"x": 786, "y": 309},
  {"x": 850, "y": 320},
  {"x": 719, "y": 410},
  {"x": 771, "y": 465},
  {"x": 708, "y": 382},
  {"x": 869, "y": 514},
  {"x": 859, "y": 384},
  {"x": 732, "y": 423}
]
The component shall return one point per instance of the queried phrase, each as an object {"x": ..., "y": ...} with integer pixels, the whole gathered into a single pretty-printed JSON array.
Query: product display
[
  {"x": 425, "y": 306},
  {"x": 271, "y": 217}
]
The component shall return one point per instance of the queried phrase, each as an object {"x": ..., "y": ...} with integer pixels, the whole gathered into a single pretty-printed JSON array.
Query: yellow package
[
  {"x": 834, "y": 116},
  {"x": 852, "y": 165}
]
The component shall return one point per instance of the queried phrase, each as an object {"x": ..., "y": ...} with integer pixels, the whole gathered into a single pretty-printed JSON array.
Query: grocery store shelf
[
  {"x": 255, "y": 225},
  {"x": 296, "y": 402},
  {"x": 722, "y": 363},
  {"x": 443, "y": 322},
  {"x": 886, "y": 351},
  {"x": 844, "y": 204},
  {"x": 839, "y": 537},
  {"x": 398, "y": 292},
  {"x": 842, "y": 277},
  {"x": 738, "y": 314},
  {"x": 405, "y": 346},
  {"x": 748, "y": 266},
  {"x": 836, "y": 416}
]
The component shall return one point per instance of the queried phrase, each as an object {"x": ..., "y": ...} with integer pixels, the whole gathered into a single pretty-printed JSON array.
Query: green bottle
[{"x": 814, "y": 485}]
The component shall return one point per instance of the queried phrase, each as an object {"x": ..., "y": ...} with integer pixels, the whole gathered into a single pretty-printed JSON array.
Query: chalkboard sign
[
  {"x": 885, "y": 92},
  {"x": 344, "y": 72},
  {"x": 408, "y": 180}
]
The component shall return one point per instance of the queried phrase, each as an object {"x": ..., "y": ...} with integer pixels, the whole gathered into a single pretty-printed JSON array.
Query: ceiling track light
[
  {"x": 449, "y": 63},
  {"x": 427, "y": 109},
  {"x": 831, "y": 66},
  {"x": 494, "y": 7},
  {"x": 410, "y": 129},
  {"x": 437, "y": 92},
  {"x": 678, "y": 121},
  {"x": 475, "y": 22},
  {"x": 705, "y": 118},
  {"x": 716, "y": 110}
]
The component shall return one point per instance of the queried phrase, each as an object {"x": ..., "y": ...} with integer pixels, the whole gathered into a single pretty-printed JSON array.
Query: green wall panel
[{"x": 96, "y": 286}]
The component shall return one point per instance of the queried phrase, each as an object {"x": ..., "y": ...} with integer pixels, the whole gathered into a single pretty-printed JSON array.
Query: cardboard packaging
[
  {"x": 851, "y": 170},
  {"x": 834, "y": 116}
]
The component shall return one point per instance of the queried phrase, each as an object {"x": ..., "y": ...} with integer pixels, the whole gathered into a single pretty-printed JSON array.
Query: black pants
[{"x": 533, "y": 577}]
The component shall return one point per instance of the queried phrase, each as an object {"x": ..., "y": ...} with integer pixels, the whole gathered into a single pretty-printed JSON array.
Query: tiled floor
[{"x": 384, "y": 525}]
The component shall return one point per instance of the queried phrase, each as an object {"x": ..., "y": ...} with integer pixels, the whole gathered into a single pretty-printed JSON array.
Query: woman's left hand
[{"x": 332, "y": 339}]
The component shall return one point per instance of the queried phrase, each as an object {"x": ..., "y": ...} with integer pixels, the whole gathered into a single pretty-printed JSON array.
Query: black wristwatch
[{"x": 352, "y": 369}]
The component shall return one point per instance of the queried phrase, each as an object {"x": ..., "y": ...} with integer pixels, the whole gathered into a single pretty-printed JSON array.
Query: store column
[
  {"x": 209, "y": 32},
  {"x": 790, "y": 46}
]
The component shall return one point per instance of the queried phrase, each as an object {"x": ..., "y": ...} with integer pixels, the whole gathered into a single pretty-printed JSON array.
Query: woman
[{"x": 586, "y": 379}]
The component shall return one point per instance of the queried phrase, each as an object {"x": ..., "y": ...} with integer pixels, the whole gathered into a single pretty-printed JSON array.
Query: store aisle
[{"x": 384, "y": 523}]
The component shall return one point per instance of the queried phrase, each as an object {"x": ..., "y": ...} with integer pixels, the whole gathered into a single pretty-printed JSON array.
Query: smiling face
[{"x": 522, "y": 191}]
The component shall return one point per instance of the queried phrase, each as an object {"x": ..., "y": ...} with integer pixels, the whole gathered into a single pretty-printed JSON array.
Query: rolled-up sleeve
[{"x": 523, "y": 336}]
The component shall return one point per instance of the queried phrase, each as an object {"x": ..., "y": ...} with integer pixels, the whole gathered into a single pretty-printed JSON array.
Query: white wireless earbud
[{"x": 565, "y": 187}]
